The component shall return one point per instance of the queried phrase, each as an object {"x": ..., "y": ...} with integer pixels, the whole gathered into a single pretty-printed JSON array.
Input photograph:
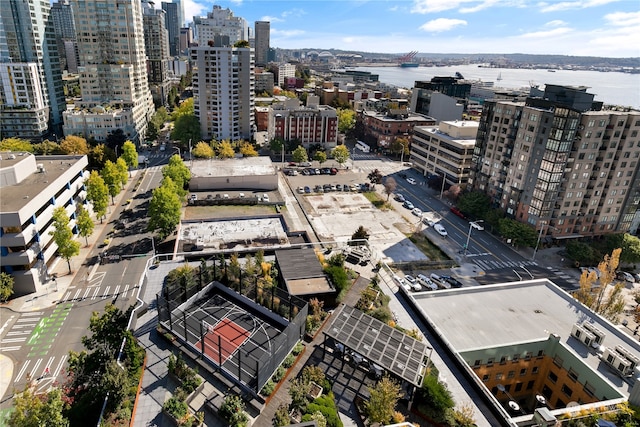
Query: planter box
[
  {"x": 176, "y": 423},
  {"x": 315, "y": 390},
  {"x": 195, "y": 392}
]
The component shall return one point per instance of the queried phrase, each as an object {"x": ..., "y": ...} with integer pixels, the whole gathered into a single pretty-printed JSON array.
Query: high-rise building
[
  {"x": 181, "y": 17},
  {"x": 218, "y": 25},
  {"x": 561, "y": 163},
  {"x": 223, "y": 91},
  {"x": 156, "y": 41},
  {"x": 65, "y": 30},
  {"x": 172, "y": 23},
  {"x": 113, "y": 71},
  {"x": 27, "y": 39},
  {"x": 262, "y": 32}
]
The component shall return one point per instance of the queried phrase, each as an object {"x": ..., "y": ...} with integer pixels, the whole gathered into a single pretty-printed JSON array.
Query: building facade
[
  {"x": 282, "y": 71},
  {"x": 445, "y": 150},
  {"x": 172, "y": 24},
  {"x": 65, "y": 30},
  {"x": 262, "y": 40},
  {"x": 384, "y": 128},
  {"x": 309, "y": 125},
  {"x": 27, "y": 37},
  {"x": 156, "y": 42},
  {"x": 113, "y": 71},
  {"x": 561, "y": 163},
  {"x": 32, "y": 187},
  {"x": 218, "y": 25},
  {"x": 224, "y": 92}
]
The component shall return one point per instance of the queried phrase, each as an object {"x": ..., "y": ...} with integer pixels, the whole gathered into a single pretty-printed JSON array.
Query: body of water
[{"x": 611, "y": 88}]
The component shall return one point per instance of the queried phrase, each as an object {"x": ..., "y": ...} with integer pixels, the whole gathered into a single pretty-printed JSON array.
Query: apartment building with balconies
[
  {"x": 32, "y": 187},
  {"x": 561, "y": 163},
  {"x": 382, "y": 128}
]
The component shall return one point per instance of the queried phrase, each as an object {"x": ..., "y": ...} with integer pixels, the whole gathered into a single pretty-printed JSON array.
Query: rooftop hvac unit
[
  {"x": 629, "y": 356},
  {"x": 544, "y": 418},
  {"x": 583, "y": 335},
  {"x": 617, "y": 362},
  {"x": 596, "y": 332}
]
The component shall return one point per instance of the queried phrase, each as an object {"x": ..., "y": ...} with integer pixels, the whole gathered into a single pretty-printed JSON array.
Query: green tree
[
  {"x": 320, "y": 157},
  {"x": 111, "y": 176},
  {"x": 99, "y": 155},
  {"x": 360, "y": 234},
  {"x": 160, "y": 117},
  {"x": 300, "y": 154},
  {"x": 241, "y": 44},
  {"x": 629, "y": 244},
  {"x": 73, "y": 144},
  {"x": 84, "y": 223},
  {"x": 382, "y": 401},
  {"x": 129, "y": 154},
  {"x": 37, "y": 410},
  {"x": 185, "y": 128},
  {"x": 16, "y": 144},
  {"x": 63, "y": 236},
  {"x": 277, "y": 145},
  {"x": 225, "y": 150},
  {"x": 152, "y": 131},
  {"x": 346, "y": 119},
  {"x": 520, "y": 234},
  {"x": 399, "y": 146},
  {"x": 281, "y": 417},
  {"x": 123, "y": 172},
  {"x": 340, "y": 154},
  {"x": 203, "y": 150},
  {"x": 600, "y": 291},
  {"x": 375, "y": 177},
  {"x": 247, "y": 149},
  {"x": 98, "y": 194},
  {"x": 179, "y": 174},
  {"x": 232, "y": 411},
  {"x": 6, "y": 286},
  {"x": 437, "y": 395},
  {"x": 47, "y": 147},
  {"x": 164, "y": 209},
  {"x": 474, "y": 204},
  {"x": 582, "y": 252}
]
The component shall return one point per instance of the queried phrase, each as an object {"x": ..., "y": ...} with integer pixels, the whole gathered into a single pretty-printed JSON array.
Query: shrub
[
  {"x": 327, "y": 407},
  {"x": 289, "y": 360},
  {"x": 176, "y": 406},
  {"x": 298, "y": 349},
  {"x": 279, "y": 374},
  {"x": 439, "y": 398},
  {"x": 337, "y": 276},
  {"x": 268, "y": 388},
  {"x": 232, "y": 412}
]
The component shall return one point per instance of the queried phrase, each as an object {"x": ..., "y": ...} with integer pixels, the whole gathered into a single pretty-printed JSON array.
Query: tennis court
[{"x": 230, "y": 335}]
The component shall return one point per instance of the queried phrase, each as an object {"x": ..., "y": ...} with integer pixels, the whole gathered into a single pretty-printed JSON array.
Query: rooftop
[
  {"x": 232, "y": 167},
  {"x": 302, "y": 271}
]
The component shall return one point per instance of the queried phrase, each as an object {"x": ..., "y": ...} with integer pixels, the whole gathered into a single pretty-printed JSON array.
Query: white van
[{"x": 426, "y": 282}]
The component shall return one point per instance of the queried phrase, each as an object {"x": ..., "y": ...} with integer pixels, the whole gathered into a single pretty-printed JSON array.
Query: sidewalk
[{"x": 48, "y": 295}]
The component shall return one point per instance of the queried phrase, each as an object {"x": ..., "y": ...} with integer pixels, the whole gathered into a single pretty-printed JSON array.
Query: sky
[{"x": 605, "y": 28}]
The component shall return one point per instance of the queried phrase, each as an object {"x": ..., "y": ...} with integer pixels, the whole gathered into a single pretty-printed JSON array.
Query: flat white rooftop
[{"x": 244, "y": 166}]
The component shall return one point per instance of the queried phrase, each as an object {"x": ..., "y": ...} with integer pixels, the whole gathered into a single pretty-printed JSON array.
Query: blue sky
[{"x": 573, "y": 27}]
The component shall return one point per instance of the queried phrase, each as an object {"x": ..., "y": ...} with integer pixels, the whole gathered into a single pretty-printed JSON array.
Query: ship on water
[{"x": 407, "y": 61}]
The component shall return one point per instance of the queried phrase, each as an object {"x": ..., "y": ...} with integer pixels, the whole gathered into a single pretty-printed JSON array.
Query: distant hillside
[{"x": 517, "y": 58}]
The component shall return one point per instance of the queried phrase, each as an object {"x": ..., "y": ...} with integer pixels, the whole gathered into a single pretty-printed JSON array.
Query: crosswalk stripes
[
  {"x": 41, "y": 367},
  {"x": 20, "y": 331},
  {"x": 487, "y": 265},
  {"x": 99, "y": 293}
]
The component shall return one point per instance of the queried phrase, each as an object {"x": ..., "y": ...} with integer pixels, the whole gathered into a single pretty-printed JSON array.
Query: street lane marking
[
  {"x": 10, "y": 348},
  {"x": 22, "y": 371}
]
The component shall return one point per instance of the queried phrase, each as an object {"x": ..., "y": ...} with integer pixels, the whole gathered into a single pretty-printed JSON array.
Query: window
[
  {"x": 530, "y": 385},
  {"x": 498, "y": 376},
  {"x": 490, "y": 361},
  {"x": 534, "y": 370},
  {"x": 552, "y": 377},
  {"x": 477, "y": 362},
  {"x": 503, "y": 360},
  {"x": 511, "y": 374},
  {"x": 485, "y": 377},
  {"x": 573, "y": 375},
  {"x": 566, "y": 390},
  {"x": 523, "y": 372}
]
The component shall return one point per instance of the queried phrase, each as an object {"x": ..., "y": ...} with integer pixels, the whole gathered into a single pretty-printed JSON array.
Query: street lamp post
[
  {"x": 402, "y": 156},
  {"x": 535, "y": 250},
  {"x": 444, "y": 179},
  {"x": 179, "y": 153},
  {"x": 477, "y": 226}
]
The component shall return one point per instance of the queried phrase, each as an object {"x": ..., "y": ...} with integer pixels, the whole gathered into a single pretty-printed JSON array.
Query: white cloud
[
  {"x": 483, "y": 5},
  {"x": 623, "y": 19},
  {"x": 546, "y": 34},
  {"x": 567, "y": 5},
  {"x": 555, "y": 23},
  {"x": 430, "y": 6},
  {"x": 442, "y": 24},
  {"x": 271, "y": 18},
  {"x": 193, "y": 8},
  {"x": 285, "y": 33}
]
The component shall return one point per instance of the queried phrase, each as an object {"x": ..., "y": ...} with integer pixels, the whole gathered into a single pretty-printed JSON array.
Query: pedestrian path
[
  {"x": 98, "y": 292},
  {"x": 20, "y": 330}
]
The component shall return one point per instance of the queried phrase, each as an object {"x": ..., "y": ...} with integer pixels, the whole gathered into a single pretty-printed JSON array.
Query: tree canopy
[
  {"x": 63, "y": 236},
  {"x": 520, "y": 234},
  {"x": 129, "y": 154},
  {"x": 225, "y": 150},
  {"x": 383, "y": 398},
  {"x": 247, "y": 149},
  {"x": 84, "y": 223},
  {"x": 390, "y": 186},
  {"x": 72, "y": 144},
  {"x": 300, "y": 154},
  {"x": 340, "y": 154},
  {"x": 6, "y": 286},
  {"x": 16, "y": 144},
  {"x": 111, "y": 176},
  {"x": 98, "y": 194},
  {"x": 202, "y": 150},
  {"x": 375, "y": 177},
  {"x": 474, "y": 204},
  {"x": 346, "y": 119},
  {"x": 165, "y": 208},
  {"x": 38, "y": 410},
  {"x": 320, "y": 157},
  {"x": 179, "y": 174},
  {"x": 47, "y": 147},
  {"x": 123, "y": 172},
  {"x": 399, "y": 146}
]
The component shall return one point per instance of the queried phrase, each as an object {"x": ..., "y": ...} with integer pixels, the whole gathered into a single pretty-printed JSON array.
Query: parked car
[
  {"x": 292, "y": 164},
  {"x": 409, "y": 278},
  {"x": 317, "y": 171},
  {"x": 637, "y": 276},
  {"x": 338, "y": 187},
  {"x": 333, "y": 171},
  {"x": 193, "y": 197},
  {"x": 225, "y": 196},
  {"x": 307, "y": 190},
  {"x": 326, "y": 171},
  {"x": 265, "y": 197},
  {"x": 417, "y": 212},
  {"x": 411, "y": 181},
  {"x": 627, "y": 277},
  {"x": 407, "y": 204},
  {"x": 429, "y": 222},
  {"x": 301, "y": 190},
  {"x": 455, "y": 283},
  {"x": 443, "y": 283},
  {"x": 401, "y": 282},
  {"x": 399, "y": 197},
  {"x": 355, "y": 188},
  {"x": 318, "y": 189},
  {"x": 440, "y": 230},
  {"x": 346, "y": 188},
  {"x": 210, "y": 196},
  {"x": 304, "y": 164},
  {"x": 435, "y": 278},
  {"x": 426, "y": 282},
  {"x": 306, "y": 172},
  {"x": 457, "y": 212},
  {"x": 327, "y": 188}
]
